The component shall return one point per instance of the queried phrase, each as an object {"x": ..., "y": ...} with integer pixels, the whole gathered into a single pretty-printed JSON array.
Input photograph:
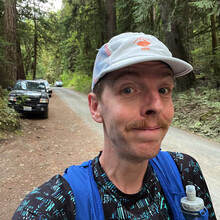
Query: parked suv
[
  {"x": 29, "y": 96},
  {"x": 49, "y": 90}
]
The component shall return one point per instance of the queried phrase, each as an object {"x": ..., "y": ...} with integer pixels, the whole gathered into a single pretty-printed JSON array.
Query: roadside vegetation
[
  {"x": 198, "y": 110},
  {"x": 9, "y": 119}
]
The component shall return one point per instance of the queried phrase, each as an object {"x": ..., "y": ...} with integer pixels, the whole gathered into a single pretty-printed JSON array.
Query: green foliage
[
  {"x": 211, "y": 5},
  {"x": 22, "y": 100},
  {"x": 69, "y": 48},
  {"x": 145, "y": 16},
  {"x": 31, "y": 12},
  {"x": 204, "y": 4},
  {"x": 9, "y": 119},
  {"x": 84, "y": 65},
  {"x": 198, "y": 110},
  {"x": 204, "y": 68},
  {"x": 125, "y": 15},
  {"x": 79, "y": 81}
]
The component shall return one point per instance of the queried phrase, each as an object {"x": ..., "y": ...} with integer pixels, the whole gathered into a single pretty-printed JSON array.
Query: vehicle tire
[{"x": 45, "y": 114}]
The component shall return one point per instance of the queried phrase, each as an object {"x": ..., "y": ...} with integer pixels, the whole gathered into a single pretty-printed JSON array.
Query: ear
[{"x": 94, "y": 105}]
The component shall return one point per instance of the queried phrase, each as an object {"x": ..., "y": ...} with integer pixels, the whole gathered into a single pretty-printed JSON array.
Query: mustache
[{"x": 146, "y": 123}]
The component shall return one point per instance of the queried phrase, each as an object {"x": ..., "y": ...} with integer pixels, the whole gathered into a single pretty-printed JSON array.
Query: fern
[{"x": 212, "y": 5}]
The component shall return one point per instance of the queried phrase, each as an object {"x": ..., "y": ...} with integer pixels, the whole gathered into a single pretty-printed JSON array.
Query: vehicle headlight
[
  {"x": 12, "y": 98},
  {"x": 44, "y": 100}
]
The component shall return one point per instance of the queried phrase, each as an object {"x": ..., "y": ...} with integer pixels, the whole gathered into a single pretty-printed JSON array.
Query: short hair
[{"x": 99, "y": 87}]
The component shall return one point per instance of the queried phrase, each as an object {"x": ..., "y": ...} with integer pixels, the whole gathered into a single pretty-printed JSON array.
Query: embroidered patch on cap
[{"x": 143, "y": 43}]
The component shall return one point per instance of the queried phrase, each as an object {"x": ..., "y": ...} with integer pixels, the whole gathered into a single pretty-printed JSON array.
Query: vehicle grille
[{"x": 29, "y": 101}]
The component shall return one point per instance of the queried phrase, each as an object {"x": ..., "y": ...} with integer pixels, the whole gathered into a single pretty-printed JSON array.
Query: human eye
[
  {"x": 163, "y": 90},
  {"x": 127, "y": 90}
]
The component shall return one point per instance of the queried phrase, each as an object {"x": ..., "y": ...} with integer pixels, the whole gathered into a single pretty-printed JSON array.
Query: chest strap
[{"x": 86, "y": 194}]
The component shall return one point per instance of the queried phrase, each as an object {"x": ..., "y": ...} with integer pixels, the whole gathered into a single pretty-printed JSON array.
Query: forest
[{"x": 36, "y": 43}]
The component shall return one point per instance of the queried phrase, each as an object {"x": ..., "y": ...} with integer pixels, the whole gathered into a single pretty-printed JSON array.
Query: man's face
[{"x": 136, "y": 109}]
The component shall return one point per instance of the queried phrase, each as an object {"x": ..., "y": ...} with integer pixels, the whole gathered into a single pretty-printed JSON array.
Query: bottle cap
[{"x": 191, "y": 202}]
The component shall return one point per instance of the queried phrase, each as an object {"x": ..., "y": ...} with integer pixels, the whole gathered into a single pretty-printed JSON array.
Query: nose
[{"x": 152, "y": 103}]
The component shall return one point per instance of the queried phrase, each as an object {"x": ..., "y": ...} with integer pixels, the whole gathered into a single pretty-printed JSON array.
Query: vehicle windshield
[
  {"x": 30, "y": 86},
  {"x": 45, "y": 82}
]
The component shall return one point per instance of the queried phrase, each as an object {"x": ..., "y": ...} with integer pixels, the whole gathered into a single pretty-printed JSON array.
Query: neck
[{"x": 126, "y": 175}]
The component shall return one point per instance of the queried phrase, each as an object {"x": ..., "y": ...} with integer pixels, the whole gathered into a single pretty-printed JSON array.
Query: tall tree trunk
[
  {"x": 101, "y": 33},
  {"x": 174, "y": 36},
  {"x": 9, "y": 74},
  {"x": 35, "y": 49},
  {"x": 214, "y": 34},
  {"x": 110, "y": 18},
  {"x": 151, "y": 18},
  {"x": 214, "y": 45},
  {"x": 20, "y": 73}
]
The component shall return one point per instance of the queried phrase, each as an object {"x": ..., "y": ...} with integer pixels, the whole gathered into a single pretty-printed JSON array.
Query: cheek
[
  {"x": 111, "y": 114},
  {"x": 116, "y": 117},
  {"x": 169, "y": 112},
  {"x": 126, "y": 113}
]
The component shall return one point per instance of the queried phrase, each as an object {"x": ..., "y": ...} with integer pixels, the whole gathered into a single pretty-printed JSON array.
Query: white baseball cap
[{"x": 131, "y": 48}]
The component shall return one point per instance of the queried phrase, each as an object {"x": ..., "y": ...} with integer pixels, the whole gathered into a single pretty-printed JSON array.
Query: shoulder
[
  {"x": 52, "y": 200},
  {"x": 186, "y": 163},
  {"x": 188, "y": 166},
  {"x": 181, "y": 157}
]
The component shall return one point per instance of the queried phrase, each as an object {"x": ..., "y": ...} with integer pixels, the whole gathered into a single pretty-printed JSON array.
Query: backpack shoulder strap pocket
[{"x": 170, "y": 181}]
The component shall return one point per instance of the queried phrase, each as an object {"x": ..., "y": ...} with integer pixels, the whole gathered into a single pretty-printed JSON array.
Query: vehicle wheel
[{"x": 45, "y": 114}]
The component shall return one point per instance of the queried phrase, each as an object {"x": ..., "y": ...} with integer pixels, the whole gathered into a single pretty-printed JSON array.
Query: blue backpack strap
[
  {"x": 170, "y": 181},
  {"x": 86, "y": 194}
]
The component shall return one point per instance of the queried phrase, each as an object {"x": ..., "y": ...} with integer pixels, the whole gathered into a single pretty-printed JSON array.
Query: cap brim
[{"x": 179, "y": 67}]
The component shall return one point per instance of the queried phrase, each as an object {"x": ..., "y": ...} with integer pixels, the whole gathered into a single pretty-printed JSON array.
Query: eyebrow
[{"x": 123, "y": 72}]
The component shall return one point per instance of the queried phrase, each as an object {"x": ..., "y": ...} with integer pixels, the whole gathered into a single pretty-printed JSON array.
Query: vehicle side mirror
[{"x": 9, "y": 88}]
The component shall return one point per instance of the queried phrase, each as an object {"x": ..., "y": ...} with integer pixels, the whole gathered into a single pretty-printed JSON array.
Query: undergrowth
[
  {"x": 198, "y": 110},
  {"x": 9, "y": 118},
  {"x": 78, "y": 81}
]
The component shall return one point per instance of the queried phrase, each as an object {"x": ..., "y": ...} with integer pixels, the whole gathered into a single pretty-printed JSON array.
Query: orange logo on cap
[{"x": 143, "y": 43}]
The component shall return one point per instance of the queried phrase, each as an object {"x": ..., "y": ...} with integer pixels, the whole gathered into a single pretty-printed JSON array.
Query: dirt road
[{"x": 69, "y": 136}]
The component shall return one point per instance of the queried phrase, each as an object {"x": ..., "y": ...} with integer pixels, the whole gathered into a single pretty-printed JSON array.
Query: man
[{"x": 133, "y": 79}]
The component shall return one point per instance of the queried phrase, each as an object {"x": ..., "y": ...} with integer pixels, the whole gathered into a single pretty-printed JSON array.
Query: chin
[
  {"x": 142, "y": 153},
  {"x": 147, "y": 155}
]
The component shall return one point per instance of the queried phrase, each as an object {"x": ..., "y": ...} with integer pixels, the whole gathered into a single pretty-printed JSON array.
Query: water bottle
[{"x": 193, "y": 207}]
